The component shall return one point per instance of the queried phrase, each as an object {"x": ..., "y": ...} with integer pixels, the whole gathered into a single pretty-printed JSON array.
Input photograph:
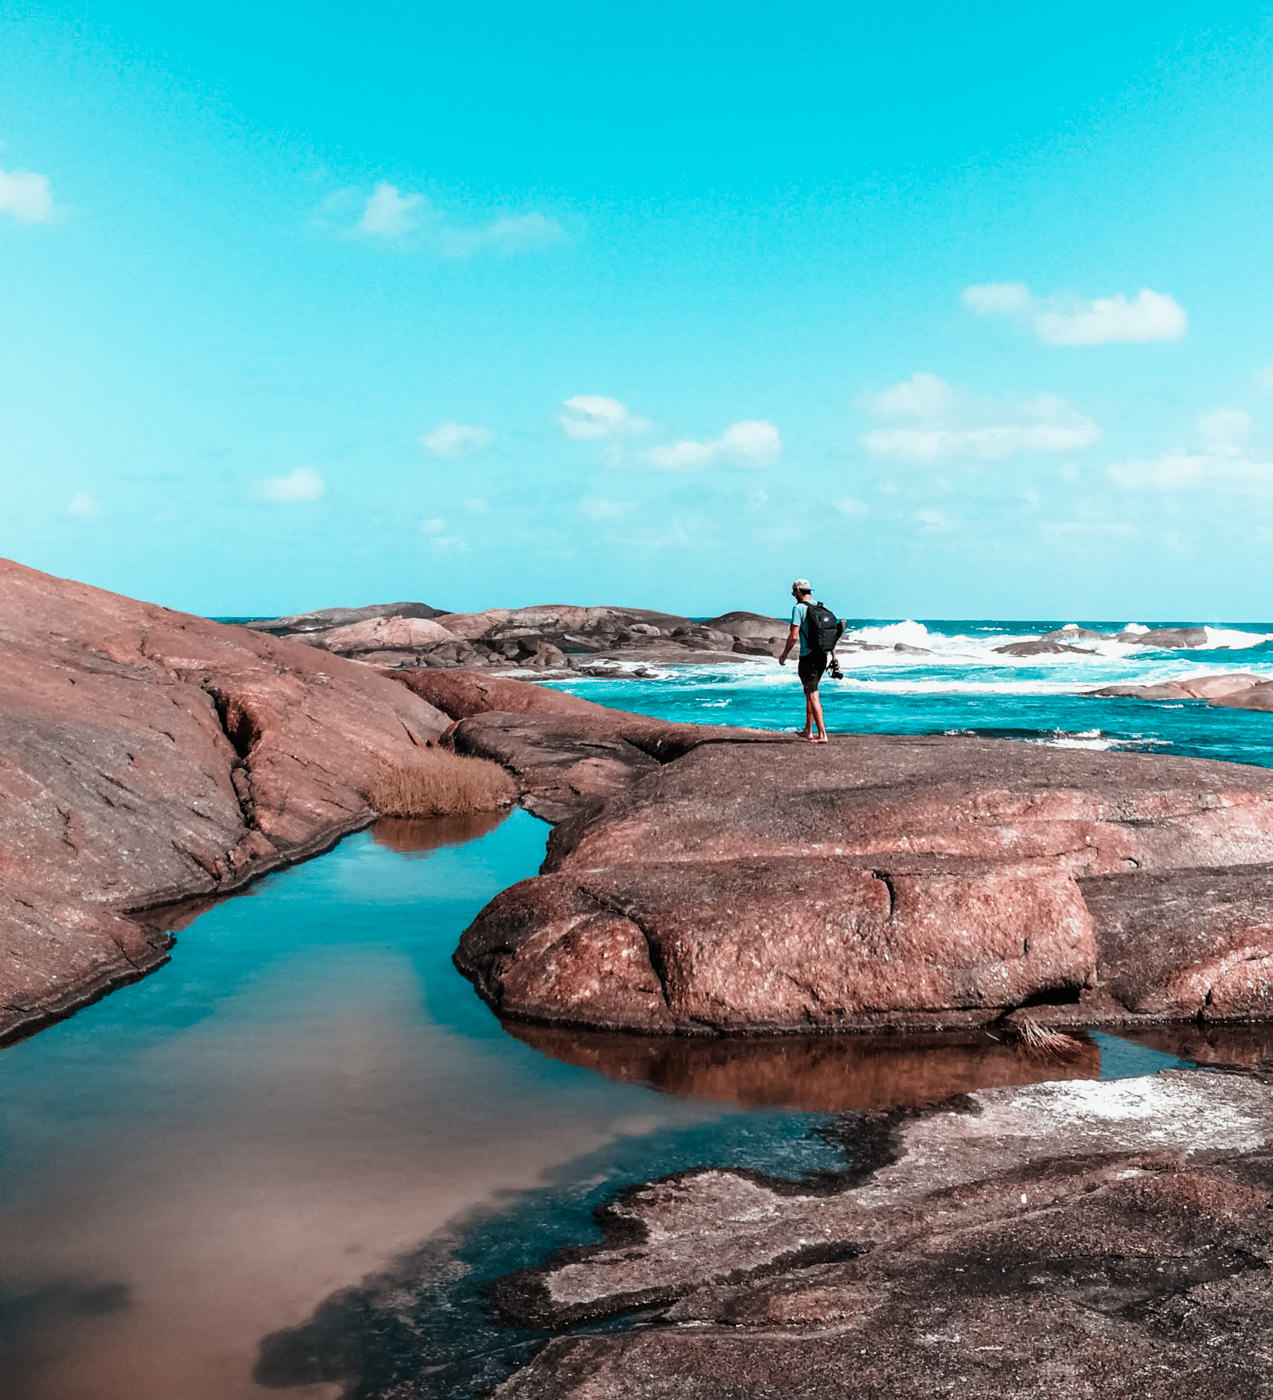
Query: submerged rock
[{"x": 147, "y": 757}]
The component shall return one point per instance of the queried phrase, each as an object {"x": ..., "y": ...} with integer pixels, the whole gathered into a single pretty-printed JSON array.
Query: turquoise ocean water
[{"x": 955, "y": 682}]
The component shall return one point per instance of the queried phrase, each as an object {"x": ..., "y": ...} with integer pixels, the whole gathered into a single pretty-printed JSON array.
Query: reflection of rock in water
[
  {"x": 1248, "y": 1046},
  {"x": 835, "y": 1073},
  {"x": 418, "y": 835}
]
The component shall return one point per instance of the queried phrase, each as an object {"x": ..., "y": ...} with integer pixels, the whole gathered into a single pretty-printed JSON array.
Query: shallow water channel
[{"x": 293, "y": 1159}]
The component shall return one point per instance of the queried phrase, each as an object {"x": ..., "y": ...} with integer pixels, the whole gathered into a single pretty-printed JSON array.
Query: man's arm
[{"x": 793, "y": 639}]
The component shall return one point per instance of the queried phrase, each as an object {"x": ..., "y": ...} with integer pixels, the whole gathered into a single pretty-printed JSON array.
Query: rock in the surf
[
  {"x": 1041, "y": 648},
  {"x": 1231, "y": 690},
  {"x": 148, "y": 756}
]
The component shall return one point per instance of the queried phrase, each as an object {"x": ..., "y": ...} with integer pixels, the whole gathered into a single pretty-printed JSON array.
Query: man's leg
[
  {"x": 807, "y": 731},
  {"x": 813, "y": 703}
]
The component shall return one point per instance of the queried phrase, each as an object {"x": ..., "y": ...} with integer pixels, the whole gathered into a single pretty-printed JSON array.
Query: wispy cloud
[
  {"x": 928, "y": 420},
  {"x": 26, "y": 196},
  {"x": 1222, "y": 458},
  {"x": 591, "y": 416},
  {"x": 303, "y": 484},
  {"x": 603, "y": 510},
  {"x": 753, "y": 443},
  {"x": 83, "y": 507},
  {"x": 1147, "y": 316},
  {"x": 456, "y": 439},
  {"x": 411, "y": 220}
]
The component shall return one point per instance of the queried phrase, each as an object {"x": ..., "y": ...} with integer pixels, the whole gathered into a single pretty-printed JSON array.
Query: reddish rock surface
[
  {"x": 1107, "y": 1241},
  {"x": 566, "y": 752},
  {"x": 146, "y": 757},
  {"x": 915, "y": 883}
]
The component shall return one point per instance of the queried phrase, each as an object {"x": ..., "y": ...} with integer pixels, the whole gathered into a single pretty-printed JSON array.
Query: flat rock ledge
[
  {"x": 1065, "y": 1241},
  {"x": 149, "y": 757},
  {"x": 702, "y": 881}
]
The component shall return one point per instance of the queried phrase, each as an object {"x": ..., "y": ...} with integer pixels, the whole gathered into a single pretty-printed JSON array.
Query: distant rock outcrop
[
  {"x": 564, "y": 638},
  {"x": 147, "y": 757}
]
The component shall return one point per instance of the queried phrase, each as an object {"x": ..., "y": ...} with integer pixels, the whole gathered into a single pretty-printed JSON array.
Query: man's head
[{"x": 801, "y": 589}]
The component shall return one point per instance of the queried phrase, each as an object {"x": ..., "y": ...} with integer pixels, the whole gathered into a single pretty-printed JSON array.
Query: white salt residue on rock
[{"x": 1180, "y": 1110}]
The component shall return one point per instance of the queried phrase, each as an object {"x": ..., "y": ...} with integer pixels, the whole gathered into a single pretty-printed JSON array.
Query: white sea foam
[{"x": 1231, "y": 639}]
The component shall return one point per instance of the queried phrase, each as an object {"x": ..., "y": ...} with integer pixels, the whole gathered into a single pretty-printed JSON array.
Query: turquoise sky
[{"x": 960, "y": 310}]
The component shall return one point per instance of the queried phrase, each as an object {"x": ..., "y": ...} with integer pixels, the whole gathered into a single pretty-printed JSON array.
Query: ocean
[{"x": 951, "y": 680}]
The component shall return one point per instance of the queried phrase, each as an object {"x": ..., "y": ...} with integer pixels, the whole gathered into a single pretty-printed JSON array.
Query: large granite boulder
[
  {"x": 704, "y": 885},
  {"x": 146, "y": 757}
]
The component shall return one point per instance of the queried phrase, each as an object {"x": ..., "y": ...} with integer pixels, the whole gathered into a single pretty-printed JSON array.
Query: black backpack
[{"x": 822, "y": 628}]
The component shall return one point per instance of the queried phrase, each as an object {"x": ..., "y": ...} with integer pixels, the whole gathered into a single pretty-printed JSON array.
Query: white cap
[{"x": 802, "y": 585}]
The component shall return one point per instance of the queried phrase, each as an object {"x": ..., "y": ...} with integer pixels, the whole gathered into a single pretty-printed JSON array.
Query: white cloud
[
  {"x": 456, "y": 439},
  {"x": 849, "y": 506},
  {"x": 1225, "y": 430},
  {"x": 407, "y": 217},
  {"x": 605, "y": 510},
  {"x": 749, "y": 443},
  {"x": 514, "y": 234},
  {"x": 930, "y": 421},
  {"x": 477, "y": 505},
  {"x": 388, "y": 213},
  {"x": 1223, "y": 460},
  {"x": 83, "y": 507},
  {"x": 26, "y": 196},
  {"x": 595, "y": 416},
  {"x": 931, "y": 521},
  {"x": 1149, "y": 315},
  {"x": 997, "y": 298},
  {"x": 434, "y": 526},
  {"x": 304, "y": 484}
]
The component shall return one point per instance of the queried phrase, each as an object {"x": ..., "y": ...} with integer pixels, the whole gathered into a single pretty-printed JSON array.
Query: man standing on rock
[{"x": 817, "y": 630}]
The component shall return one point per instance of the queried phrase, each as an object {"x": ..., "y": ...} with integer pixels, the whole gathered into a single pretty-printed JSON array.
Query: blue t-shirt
[{"x": 798, "y": 615}]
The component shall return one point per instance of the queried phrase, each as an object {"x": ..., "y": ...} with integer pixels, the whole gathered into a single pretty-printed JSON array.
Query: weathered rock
[
  {"x": 324, "y": 619},
  {"x": 1170, "y": 638},
  {"x": 1071, "y": 633},
  {"x": 536, "y": 638},
  {"x": 880, "y": 881},
  {"x": 1064, "y": 1240},
  {"x": 748, "y": 626},
  {"x": 1042, "y": 647},
  {"x": 147, "y": 756},
  {"x": 1232, "y": 690},
  {"x": 386, "y": 634}
]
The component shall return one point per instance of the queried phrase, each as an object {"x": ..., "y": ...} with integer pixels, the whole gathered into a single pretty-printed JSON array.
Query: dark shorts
[{"x": 811, "y": 668}]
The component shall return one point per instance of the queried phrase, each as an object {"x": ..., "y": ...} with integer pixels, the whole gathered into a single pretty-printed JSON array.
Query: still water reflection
[{"x": 197, "y": 1172}]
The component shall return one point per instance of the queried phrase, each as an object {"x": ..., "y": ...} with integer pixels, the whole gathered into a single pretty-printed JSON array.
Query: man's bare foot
[
  {"x": 820, "y": 740},
  {"x": 803, "y": 733}
]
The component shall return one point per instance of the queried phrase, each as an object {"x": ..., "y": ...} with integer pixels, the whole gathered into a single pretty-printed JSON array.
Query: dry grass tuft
[
  {"x": 440, "y": 784},
  {"x": 1037, "y": 1040}
]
